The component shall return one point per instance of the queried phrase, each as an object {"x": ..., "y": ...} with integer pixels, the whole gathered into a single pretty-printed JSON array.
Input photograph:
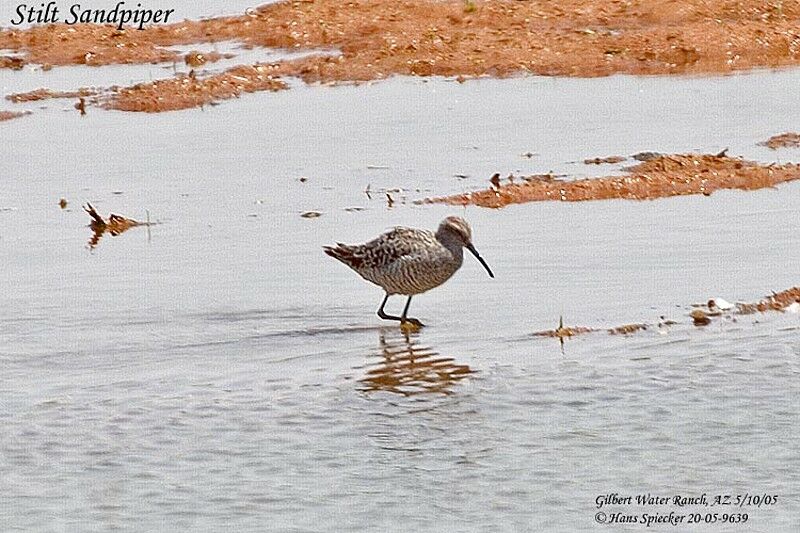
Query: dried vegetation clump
[{"x": 115, "y": 225}]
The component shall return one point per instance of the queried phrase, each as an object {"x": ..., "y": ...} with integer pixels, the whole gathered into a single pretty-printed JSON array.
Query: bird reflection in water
[{"x": 409, "y": 369}]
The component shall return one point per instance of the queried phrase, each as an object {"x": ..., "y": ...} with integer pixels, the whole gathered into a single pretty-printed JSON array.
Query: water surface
[{"x": 220, "y": 372}]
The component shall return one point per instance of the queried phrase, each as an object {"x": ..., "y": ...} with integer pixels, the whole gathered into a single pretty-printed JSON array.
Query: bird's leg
[
  {"x": 404, "y": 318},
  {"x": 384, "y": 315}
]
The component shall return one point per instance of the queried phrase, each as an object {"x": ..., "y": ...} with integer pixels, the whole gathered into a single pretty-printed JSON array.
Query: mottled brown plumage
[{"x": 409, "y": 261}]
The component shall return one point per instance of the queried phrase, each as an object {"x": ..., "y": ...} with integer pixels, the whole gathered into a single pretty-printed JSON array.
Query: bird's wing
[{"x": 397, "y": 244}]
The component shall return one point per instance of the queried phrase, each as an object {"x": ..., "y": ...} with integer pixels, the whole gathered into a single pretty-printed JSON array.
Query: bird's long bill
[{"x": 479, "y": 258}]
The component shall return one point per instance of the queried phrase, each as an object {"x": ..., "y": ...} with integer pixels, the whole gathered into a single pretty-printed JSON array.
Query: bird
[{"x": 409, "y": 261}]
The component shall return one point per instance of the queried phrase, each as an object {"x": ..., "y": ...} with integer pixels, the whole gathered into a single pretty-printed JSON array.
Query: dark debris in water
[
  {"x": 610, "y": 160},
  {"x": 115, "y": 225},
  {"x": 563, "y": 331},
  {"x": 627, "y": 329},
  {"x": 700, "y": 317}
]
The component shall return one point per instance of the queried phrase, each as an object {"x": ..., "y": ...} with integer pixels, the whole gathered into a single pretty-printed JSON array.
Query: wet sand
[
  {"x": 584, "y": 38},
  {"x": 659, "y": 177}
]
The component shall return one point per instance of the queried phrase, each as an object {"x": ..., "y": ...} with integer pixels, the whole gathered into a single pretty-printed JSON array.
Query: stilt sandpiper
[{"x": 410, "y": 261}]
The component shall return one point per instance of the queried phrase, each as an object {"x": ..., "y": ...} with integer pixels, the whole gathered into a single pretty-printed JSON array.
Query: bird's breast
[{"x": 417, "y": 273}]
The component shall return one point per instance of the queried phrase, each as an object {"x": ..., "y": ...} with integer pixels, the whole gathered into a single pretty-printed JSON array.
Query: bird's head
[{"x": 457, "y": 229}]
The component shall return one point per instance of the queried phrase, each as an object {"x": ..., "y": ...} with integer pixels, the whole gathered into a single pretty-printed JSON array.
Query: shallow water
[{"x": 220, "y": 372}]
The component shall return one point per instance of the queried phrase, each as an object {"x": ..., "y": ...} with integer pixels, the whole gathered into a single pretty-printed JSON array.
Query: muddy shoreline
[
  {"x": 703, "y": 315},
  {"x": 659, "y": 177},
  {"x": 448, "y": 38},
  {"x": 582, "y": 38}
]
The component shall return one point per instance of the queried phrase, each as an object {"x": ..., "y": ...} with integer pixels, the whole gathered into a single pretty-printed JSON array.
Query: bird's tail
[{"x": 345, "y": 253}]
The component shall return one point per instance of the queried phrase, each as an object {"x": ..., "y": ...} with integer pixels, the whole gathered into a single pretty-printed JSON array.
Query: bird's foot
[{"x": 411, "y": 325}]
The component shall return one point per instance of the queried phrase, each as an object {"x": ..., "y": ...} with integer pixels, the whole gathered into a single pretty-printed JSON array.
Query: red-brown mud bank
[
  {"x": 453, "y": 38},
  {"x": 10, "y": 115},
  {"x": 187, "y": 91},
  {"x": 660, "y": 177},
  {"x": 44, "y": 94},
  {"x": 500, "y": 37}
]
